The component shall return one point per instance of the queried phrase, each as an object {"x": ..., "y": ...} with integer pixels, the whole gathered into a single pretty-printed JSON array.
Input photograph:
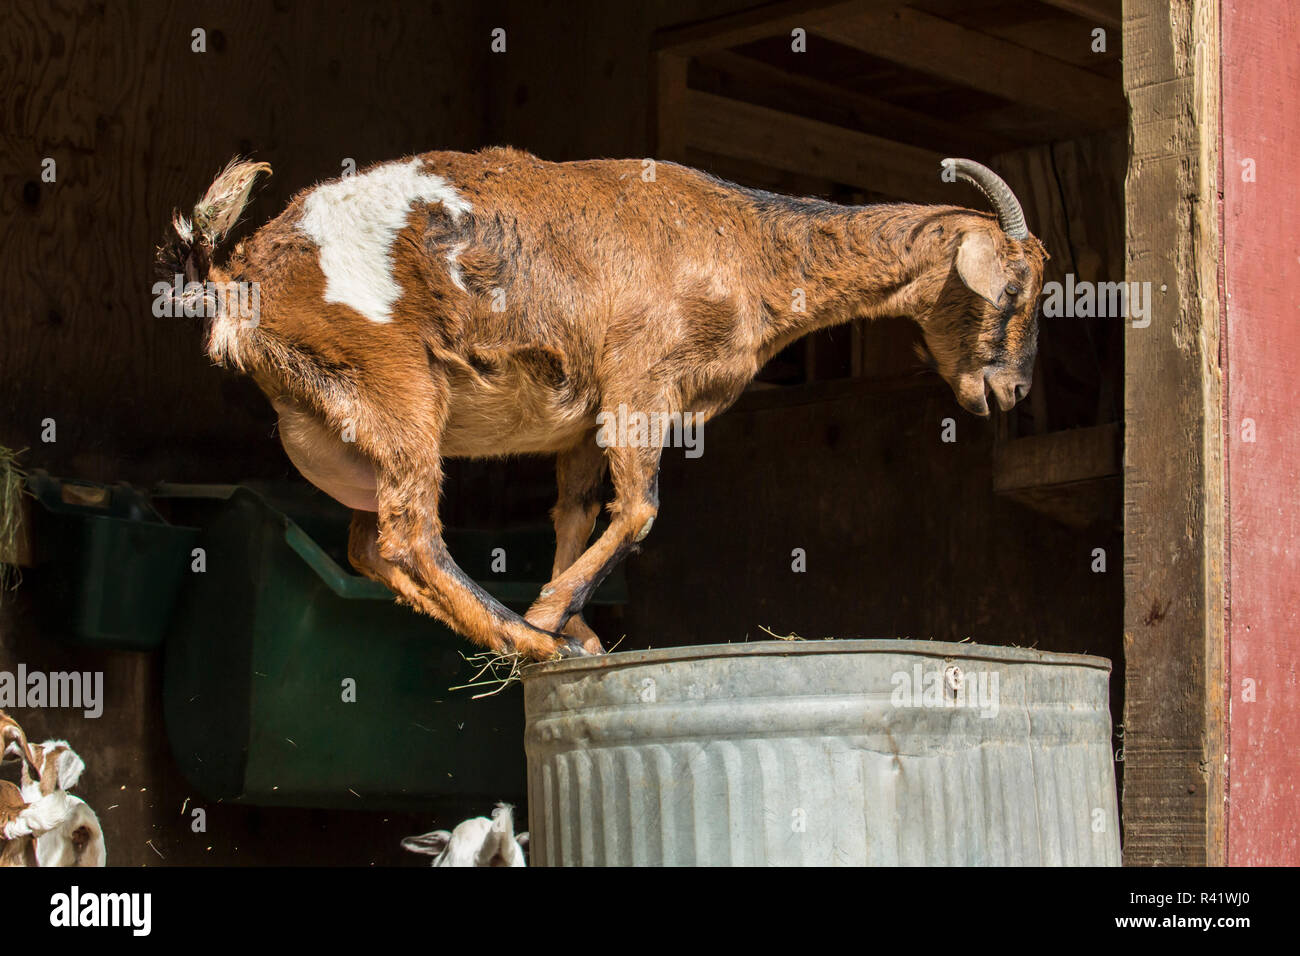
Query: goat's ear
[
  {"x": 428, "y": 844},
  {"x": 68, "y": 766},
  {"x": 981, "y": 268}
]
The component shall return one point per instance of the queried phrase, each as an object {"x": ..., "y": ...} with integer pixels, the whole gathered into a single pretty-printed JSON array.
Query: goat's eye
[{"x": 1013, "y": 289}]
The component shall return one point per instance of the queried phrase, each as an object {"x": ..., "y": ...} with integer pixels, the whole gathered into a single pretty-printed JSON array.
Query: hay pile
[{"x": 12, "y": 478}]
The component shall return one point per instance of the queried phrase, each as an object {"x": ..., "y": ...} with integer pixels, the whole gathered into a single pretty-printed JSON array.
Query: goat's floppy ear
[
  {"x": 428, "y": 844},
  {"x": 980, "y": 267},
  {"x": 67, "y": 767}
]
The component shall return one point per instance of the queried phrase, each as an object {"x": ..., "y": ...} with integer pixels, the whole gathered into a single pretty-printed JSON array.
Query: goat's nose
[{"x": 1022, "y": 390}]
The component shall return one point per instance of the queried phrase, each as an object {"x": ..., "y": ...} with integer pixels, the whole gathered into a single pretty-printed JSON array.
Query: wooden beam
[
  {"x": 1066, "y": 42},
  {"x": 969, "y": 58},
  {"x": 758, "y": 134},
  {"x": 1174, "y": 713},
  {"x": 1090, "y": 505},
  {"x": 1058, "y": 458},
  {"x": 922, "y": 129},
  {"x": 769, "y": 20},
  {"x": 1106, "y": 13},
  {"x": 1073, "y": 476}
]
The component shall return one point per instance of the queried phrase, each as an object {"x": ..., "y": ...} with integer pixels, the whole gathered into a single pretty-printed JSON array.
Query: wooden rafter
[
  {"x": 1106, "y": 13},
  {"x": 773, "y": 19},
  {"x": 977, "y": 60},
  {"x": 873, "y": 114}
]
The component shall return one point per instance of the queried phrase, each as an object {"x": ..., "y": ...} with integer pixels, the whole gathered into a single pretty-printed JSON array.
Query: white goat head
[{"x": 475, "y": 842}]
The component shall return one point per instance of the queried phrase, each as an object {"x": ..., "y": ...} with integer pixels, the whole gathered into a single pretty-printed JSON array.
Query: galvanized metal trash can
[{"x": 855, "y": 752}]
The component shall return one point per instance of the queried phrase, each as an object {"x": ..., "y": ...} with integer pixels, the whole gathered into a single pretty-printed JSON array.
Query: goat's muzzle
[{"x": 1006, "y": 386}]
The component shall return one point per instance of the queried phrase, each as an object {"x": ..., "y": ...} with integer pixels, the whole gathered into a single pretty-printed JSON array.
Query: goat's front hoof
[{"x": 572, "y": 647}]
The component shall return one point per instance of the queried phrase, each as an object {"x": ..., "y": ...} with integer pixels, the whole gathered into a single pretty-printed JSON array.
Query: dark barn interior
[{"x": 837, "y": 449}]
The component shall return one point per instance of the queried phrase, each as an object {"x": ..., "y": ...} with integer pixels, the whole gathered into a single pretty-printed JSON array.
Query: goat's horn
[{"x": 1010, "y": 216}]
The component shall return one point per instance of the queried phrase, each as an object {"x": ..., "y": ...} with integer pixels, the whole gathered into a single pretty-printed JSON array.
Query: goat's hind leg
[
  {"x": 404, "y": 547},
  {"x": 426, "y": 577},
  {"x": 363, "y": 553}
]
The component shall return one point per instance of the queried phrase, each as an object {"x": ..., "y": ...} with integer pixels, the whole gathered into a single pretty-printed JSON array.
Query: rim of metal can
[{"x": 942, "y": 650}]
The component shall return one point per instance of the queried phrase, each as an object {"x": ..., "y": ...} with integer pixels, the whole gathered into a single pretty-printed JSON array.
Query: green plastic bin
[
  {"x": 107, "y": 566},
  {"x": 262, "y": 642}
]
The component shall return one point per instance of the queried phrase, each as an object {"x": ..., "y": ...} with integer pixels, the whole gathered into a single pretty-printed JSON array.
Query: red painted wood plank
[{"x": 1261, "y": 246}]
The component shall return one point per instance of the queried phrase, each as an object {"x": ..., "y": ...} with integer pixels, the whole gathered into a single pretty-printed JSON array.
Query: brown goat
[{"x": 487, "y": 304}]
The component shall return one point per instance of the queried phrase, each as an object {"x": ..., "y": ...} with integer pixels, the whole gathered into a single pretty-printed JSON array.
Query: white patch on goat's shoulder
[
  {"x": 453, "y": 267},
  {"x": 354, "y": 221}
]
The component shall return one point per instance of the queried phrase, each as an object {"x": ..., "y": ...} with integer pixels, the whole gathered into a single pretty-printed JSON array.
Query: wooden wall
[
  {"x": 1073, "y": 195},
  {"x": 903, "y": 534},
  {"x": 1261, "y": 274},
  {"x": 576, "y": 82},
  {"x": 138, "y": 124}
]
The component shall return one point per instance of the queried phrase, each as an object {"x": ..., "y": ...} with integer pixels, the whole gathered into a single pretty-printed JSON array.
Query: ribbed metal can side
[{"x": 818, "y": 754}]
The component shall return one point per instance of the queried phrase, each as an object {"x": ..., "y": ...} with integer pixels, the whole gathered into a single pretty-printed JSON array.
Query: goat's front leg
[
  {"x": 636, "y": 503},
  {"x": 402, "y": 547},
  {"x": 578, "y": 474}
]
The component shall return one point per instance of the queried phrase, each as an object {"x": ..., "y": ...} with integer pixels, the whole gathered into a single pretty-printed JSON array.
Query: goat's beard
[
  {"x": 971, "y": 389},
  {"x": 968, "y": 387}
]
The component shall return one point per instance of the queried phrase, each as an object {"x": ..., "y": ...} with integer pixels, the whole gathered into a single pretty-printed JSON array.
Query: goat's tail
[{"x": 188, "y": 252}]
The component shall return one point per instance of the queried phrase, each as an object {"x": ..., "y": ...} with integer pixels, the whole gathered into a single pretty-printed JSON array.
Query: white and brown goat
[
  {"x": 478, "y": 841},
  {"x": 488, "y": 304},
  {"x": 41, "y": 824}
]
